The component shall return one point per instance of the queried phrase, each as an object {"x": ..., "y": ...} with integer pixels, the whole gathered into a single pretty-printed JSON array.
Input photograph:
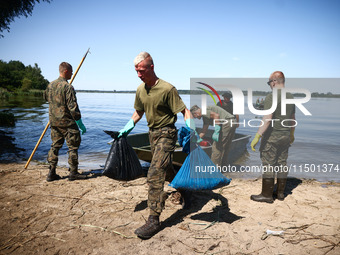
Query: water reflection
[
  {"x": 26, "y": 109},
  {"x": 21, "y": 101}
]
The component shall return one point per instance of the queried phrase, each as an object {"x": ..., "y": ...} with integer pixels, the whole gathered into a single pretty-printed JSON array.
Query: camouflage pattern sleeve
[{"x": 71, "y": 102}]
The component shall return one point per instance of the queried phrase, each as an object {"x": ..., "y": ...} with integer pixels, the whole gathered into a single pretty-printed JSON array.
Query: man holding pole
[{"x": 65, "y": 118}]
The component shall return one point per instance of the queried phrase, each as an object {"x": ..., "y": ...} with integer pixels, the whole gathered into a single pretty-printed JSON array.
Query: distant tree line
[{"x": 15, "y": 76}]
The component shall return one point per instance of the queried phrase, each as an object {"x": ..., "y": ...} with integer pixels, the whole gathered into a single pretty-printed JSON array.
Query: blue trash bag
[
  {"x": 187, "y": 139},
  {"x": 198, "y": 172}
]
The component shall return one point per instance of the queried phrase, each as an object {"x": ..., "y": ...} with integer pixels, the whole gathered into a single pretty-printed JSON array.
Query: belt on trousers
[{"x": 161, "y": 128}]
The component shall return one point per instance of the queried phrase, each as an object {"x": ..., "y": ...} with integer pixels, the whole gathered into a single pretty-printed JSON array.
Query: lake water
[{"x": 314, "y": 154}]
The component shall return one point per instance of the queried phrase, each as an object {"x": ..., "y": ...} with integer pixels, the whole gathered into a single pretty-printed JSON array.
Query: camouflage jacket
[{"x": 63, "y": 106}]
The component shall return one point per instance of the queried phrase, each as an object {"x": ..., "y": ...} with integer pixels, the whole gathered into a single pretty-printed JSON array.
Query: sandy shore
[{"x": 99, "y": 216}]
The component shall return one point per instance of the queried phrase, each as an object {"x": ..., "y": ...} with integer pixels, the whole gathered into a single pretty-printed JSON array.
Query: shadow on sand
[
  {"x": 292, "y": 183},
  {"x": 220, "y": 213}
]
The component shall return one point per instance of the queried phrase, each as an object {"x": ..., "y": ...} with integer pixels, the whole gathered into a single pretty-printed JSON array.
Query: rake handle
[{"x": 36, "y": 146}]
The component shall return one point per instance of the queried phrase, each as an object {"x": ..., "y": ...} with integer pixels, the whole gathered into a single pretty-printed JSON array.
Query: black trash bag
[{"x": 122, "y": 162}]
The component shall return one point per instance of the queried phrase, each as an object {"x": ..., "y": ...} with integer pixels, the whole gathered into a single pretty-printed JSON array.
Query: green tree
[
  {"x": 34, "y": 74},
  {"x": 9, "y": 9},
  {"x": 15, "y": 75},
  {"x": 5, "y": 80},
  {"x": 11, "y": 74},
  {"x": 26, "y": 84}
]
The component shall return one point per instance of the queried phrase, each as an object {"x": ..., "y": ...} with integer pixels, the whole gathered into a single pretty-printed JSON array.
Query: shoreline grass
[{"x": 5, "y": 94}]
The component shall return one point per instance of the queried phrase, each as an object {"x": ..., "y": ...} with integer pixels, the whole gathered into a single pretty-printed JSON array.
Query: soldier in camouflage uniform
[
  {"x": 160, "y": 102},
  {"x": 65, "y": 118},
  {"x": 276, "y": 139}
]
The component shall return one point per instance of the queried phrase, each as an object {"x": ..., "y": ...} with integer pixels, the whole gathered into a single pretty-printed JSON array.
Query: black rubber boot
[
  {"x": 267, "y": 191},
  {"x": 281, "y": 185},
  {"x": 52, "y": 176},
  {"x": 150, "y": 228},
  {"x": 75, "y": 175}
]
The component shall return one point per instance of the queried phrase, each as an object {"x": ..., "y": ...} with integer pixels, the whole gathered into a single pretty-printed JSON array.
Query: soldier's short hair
[
  {"x": 194, "y": 108},
  {"x": 143, "y": 56},
  {"x": 64, "y": 66}
]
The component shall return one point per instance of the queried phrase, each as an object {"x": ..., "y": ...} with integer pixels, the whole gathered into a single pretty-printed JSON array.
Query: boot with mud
[
  {"x": 52, "y": 176},
  {"x": 150, "y": 228},
  {"x": 281, "y": 185},
  {"x": 267, "y": 191},
  {"x": 75, "y": 175}
]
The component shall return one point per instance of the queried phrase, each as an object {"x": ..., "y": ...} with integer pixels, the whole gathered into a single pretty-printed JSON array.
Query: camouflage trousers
[
  {"x": 59, "y": 135},
  {"x": 274, "y": 155},
  {"x": 220, "y": 149},
  {"x": 162, "y": 141}
]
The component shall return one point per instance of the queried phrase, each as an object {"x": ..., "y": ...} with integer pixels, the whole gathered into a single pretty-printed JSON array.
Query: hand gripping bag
[
  {"x": 122, "y": 162},
  {"x": 198, "y": 172}
]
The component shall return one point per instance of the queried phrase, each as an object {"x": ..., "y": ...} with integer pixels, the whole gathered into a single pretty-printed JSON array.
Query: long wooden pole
[{"x": 47, "y": 125}]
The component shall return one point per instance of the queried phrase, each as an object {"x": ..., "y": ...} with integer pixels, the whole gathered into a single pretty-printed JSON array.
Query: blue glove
[
  {"x": 81, "y": 126},
  {"x": 216, "y": 133},
  {"x": 191, "y": 124},
  {"x": 127, "y": 129}
]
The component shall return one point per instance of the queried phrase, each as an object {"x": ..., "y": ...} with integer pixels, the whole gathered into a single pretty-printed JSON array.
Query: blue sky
[{"x": 187, "y": 39}]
